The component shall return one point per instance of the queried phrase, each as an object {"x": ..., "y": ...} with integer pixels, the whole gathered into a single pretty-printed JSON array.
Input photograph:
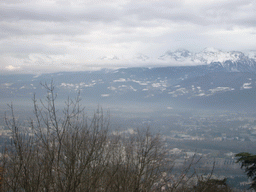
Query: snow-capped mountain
[
  {"x": 230, "y": 61},
  {"x": 210, "y": 55},
  {"x": 181, "y": 55},
  {"x": 219, "y": 79},
  {"x": 109, "y": 58},
  {"x": 141, "y": 57}
]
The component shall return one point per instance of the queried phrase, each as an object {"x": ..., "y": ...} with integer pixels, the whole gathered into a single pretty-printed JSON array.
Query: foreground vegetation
[{"x": 67, "y": 151}]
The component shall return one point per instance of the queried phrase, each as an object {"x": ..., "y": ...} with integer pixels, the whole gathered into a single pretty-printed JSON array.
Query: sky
[{"x": 39, "y": 36}]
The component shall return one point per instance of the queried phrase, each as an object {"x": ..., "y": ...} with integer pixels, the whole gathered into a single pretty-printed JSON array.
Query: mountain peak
[
  {"x": 183, "y": 52},
  {"x": 229, "y": 60},
  {"x": 178, "y": 55},
  {"x": 110, "y": 58},
  {"x": 141, "y": 57}
]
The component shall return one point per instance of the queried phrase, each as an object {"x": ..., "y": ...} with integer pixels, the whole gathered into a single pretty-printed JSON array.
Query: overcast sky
[{"x": 47, "y": 36}]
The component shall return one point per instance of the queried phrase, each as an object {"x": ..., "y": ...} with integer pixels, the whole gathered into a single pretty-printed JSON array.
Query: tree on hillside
[{"x": 248, "y": 162}]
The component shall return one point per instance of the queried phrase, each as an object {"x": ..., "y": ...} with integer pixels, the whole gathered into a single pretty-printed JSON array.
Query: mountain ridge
[
  {"x": 231, "y": 60},
  {"x": 228, "y": 84},
  {"x": 172, "y": 87}
]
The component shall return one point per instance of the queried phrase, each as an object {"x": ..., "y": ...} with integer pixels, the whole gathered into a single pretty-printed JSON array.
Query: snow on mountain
[
  {"x": 229, "y": 60},
  {"x": 181, "y": 55},
  {"x": 207, "y": 56},
  {"x": 184, "y": 85},
  {"x": 232, "y": 61},
  {"x": 109, "y": 58},
  {"x": 141, "y": 57},
  {"x": 210, "y": 55}
]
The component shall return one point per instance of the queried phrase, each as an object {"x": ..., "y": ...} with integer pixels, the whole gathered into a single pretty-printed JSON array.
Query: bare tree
[
  {"x": 67, "y": 151},
  {"x": 60, "y": 153},
  {"x": 138, "y": 162}
]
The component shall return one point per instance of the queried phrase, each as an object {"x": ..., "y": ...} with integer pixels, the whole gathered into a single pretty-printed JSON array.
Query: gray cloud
[
  {"x": 239, "y": 12},
  {"x": 56, "y": 13},
  {"x": 38, "y": 32},
  {"x": 26, "y": 48},
  {"x": 27, "y": 28},
  {"x": 177, "y": 11}
]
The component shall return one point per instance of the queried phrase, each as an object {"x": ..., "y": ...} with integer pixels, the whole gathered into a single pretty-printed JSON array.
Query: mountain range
[
  {"x": 230, "y": 61},
  {"x": 211, "y": 79}
]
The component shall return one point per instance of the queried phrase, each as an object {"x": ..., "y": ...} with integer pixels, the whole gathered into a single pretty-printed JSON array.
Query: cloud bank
[{"x": 67, "y": 35}]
